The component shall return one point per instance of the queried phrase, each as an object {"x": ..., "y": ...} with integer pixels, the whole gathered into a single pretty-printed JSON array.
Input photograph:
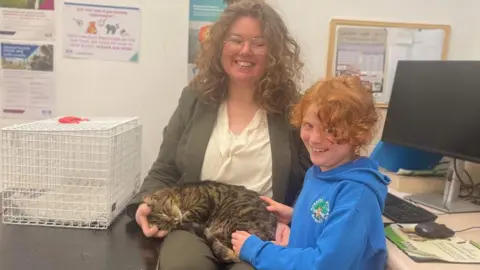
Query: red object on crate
[{"x": 71, "y": 120}]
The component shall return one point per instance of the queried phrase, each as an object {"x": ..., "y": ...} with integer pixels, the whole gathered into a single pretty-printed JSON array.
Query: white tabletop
[{"x": 399, "y": 260}]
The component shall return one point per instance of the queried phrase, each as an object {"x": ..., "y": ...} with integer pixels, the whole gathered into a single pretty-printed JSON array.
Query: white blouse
[{"x": 243, "y": 159}]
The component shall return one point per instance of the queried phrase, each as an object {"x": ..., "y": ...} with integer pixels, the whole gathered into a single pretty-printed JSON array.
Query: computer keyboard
[{"x": 401, "y": 211}]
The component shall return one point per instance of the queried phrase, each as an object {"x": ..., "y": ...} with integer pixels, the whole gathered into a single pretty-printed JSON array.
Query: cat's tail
[
  {"x": 201, "y": 231},
  {"x": 195, "y": 228},
  {"x": 221, "y": 251}
]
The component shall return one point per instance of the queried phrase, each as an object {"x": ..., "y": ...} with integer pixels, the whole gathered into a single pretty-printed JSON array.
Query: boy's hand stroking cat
[
  {"x": 284, "y": 216},
  {"x": 283, "y": 212}
]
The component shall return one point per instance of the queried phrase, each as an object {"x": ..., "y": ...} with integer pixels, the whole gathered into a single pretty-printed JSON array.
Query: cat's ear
[
  {"x": 148, "y": 200},
  {"x": 153, "y": 198}
]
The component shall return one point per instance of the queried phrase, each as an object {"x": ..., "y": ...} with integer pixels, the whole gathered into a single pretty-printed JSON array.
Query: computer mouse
[{"x": 433, "y": 230}]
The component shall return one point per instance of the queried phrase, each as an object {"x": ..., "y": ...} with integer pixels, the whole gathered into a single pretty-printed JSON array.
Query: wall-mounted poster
[
  {"x": 27, "y": 80},
  {"x": 361, "y": 52},
  {"x": 202, "y": 14},
  {"x": 27, "y": 19},
  {"x": 101, "y": 32}
]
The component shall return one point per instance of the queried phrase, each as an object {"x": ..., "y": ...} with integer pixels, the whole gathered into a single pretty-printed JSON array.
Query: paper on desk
[{"x": 453, "y": 250}]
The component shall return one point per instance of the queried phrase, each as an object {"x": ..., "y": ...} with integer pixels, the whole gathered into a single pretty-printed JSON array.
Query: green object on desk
[
  {"x": 424, "y": 173},
  {"x": 451, "y": 250}
]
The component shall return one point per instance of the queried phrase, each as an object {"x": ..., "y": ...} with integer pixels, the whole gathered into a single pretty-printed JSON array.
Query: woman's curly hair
[
  {"x": 278, "y": 88},
  {"x": 344, "y": 107}
]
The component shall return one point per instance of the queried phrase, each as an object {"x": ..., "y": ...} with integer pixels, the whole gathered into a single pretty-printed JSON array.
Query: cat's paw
[{"x": 229, "y": 256}]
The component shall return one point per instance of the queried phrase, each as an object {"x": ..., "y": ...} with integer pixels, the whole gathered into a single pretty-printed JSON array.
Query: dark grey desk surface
[{"x": 122, "y": 246}]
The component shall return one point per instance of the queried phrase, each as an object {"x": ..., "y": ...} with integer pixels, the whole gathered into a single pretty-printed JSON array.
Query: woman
[{"x": 231, "y": 124}]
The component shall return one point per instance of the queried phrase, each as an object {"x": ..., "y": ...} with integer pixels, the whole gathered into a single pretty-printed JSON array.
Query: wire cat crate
[{"x": 76, "y": 175}]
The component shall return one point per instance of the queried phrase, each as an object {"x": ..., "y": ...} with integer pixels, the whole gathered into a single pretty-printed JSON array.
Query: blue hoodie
[{"x": 336, "y": 224}]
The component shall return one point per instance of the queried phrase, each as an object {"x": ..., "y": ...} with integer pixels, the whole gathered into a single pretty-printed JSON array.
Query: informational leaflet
[
  {"x": 373, "y": 53},
  {"x": 361, "y": 51},
  {"x": 202, "y": 14},
  {"x": 101, "y": 32},
  {"x": 27, "y": 81},
  {"x": 409, "y": 44},
  {"x": 27, "y": 20}
]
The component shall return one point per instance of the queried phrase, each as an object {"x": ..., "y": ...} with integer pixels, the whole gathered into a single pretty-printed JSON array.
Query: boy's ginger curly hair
[{"x": 344, "y": 107}]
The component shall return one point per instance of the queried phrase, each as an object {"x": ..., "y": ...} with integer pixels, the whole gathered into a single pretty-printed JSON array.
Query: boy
[{"x": 337, "y": 219}]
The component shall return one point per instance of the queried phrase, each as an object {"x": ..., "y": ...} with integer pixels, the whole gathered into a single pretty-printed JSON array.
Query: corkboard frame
[{"x": 335, "y": 23}]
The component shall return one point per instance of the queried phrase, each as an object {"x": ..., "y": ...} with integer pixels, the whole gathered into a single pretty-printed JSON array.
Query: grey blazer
[{"x": 185, "y": 139}]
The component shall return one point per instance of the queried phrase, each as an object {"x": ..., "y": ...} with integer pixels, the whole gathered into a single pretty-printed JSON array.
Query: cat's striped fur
[{"x": 213, "y": 211}]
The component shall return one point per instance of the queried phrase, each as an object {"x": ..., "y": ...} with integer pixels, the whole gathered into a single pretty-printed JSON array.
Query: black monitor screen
[{"x": 435, "y": 106}]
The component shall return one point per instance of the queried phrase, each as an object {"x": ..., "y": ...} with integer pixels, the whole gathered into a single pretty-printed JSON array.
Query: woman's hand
[
  {"x": 141, "y": 217},
  {"x": 284, "y": 213}
]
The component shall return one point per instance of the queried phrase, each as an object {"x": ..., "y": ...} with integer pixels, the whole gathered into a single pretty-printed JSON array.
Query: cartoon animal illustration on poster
[{"x": 92, "y": 27}]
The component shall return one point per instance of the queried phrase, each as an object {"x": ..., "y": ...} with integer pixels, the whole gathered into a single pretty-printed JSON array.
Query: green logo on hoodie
[{"x": 320, "y": 210}]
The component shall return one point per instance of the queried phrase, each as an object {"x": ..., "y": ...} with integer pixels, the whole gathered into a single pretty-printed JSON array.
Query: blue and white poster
[
  {"x": 27, "y": 80},
  {"x": 201, "y": 15}
]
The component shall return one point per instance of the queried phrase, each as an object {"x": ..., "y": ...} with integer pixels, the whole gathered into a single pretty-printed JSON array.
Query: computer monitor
[{"x": 435, "y": 106}]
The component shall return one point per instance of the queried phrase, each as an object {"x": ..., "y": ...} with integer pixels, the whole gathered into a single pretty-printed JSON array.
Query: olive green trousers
[{"x": 182, "y": 250}]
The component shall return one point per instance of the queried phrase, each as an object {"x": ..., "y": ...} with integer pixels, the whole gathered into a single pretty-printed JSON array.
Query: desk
[
  {"x": 398, "y": 260},
  {"x": 122, "y": 246}
]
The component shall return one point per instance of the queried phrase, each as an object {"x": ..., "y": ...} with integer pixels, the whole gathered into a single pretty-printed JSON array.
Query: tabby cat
[{"x": 213, "y": 211}]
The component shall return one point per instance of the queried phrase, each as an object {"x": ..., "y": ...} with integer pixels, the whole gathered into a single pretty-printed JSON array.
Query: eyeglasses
[{"x": 258, "y": 45}]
